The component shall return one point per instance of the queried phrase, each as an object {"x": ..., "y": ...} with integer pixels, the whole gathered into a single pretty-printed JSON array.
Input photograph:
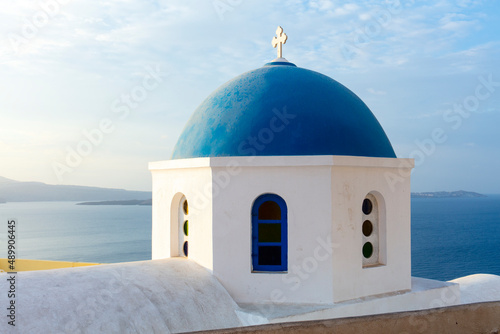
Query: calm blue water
[
  {"x": 455, "y": 237},
  {"x": 451, "y": 237},
  {"x": 67, "y": 232}
]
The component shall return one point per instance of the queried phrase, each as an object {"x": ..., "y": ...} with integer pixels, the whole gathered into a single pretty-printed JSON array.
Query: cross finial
[{"x": 279, "y": 40}]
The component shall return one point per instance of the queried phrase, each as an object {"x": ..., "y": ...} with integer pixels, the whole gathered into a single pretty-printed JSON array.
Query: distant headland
[
  {"x": 17, "y": 191},
  {"x": 129, "y": 202},
  {"x": 447, "y": 194},
  {"x": 437, "y": 194}
]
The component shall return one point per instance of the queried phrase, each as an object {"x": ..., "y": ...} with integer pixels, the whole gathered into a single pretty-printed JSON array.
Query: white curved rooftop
[
  {"x": 160, "y": 296},
  {"x": 479, "y": 288}
]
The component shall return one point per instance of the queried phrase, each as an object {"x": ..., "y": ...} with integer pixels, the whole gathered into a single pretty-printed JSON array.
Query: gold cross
[{"x": 279, "y": 41}]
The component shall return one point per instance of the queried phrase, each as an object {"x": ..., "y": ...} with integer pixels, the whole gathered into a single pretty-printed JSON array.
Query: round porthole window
[
  {"x": 185, "y": 248},
  {"x": 367, "y": 228},
  {"x": 186, "y": 228},
  {"x": 367, "y": 206},
  {"x": 185, "y": 207},
  {"x": 367, "y": 250}
]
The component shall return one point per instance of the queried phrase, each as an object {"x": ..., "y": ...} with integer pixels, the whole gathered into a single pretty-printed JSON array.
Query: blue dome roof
[{"x": 281, "y": 109}]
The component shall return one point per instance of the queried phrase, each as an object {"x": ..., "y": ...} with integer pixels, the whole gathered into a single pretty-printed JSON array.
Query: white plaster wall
[
  {"x": 306, "y": 191},
  {"x": 195, "y": 183},
  {"x": 350, "y": 185}
]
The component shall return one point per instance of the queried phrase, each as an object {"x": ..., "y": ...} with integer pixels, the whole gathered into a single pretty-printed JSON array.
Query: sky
[{"x": 90, "y": 92}]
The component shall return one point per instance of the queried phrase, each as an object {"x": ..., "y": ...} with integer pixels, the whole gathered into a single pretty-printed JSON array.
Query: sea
[
  {"x": 455, "y": 237},
  {"x": 65, "y": 231},
  {"x": 451, "y": 237}
]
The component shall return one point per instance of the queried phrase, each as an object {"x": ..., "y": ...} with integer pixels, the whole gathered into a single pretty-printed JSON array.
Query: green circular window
[
  {"x": 367, "y": 250},
  {"x": 367, "y": 228},
  {"x": 186, "y": 227},
  {"x": 185, "y": 207},
  {"x": 367, "y": 206}
]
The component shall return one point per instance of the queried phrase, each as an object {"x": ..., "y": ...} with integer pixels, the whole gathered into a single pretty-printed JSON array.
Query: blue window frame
[{"x": 269, "y": 234}]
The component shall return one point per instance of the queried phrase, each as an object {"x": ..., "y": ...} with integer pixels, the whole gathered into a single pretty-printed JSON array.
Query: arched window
[
  {"x": 269, "y": 234},
  {"x": 179, "y": 226},
  {"x": 183, "y": 227},
  {"x": 370, "y": 228}
]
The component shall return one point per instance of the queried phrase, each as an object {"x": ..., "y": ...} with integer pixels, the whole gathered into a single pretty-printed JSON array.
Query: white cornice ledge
[{"x": 283, "y": 161}]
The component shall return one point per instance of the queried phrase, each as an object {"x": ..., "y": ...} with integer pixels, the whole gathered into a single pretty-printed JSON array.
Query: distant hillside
[
  {"x": 130, "y": 202},
  {"x": 447, "y": 194},
  {"x": 16, "y": 191}
]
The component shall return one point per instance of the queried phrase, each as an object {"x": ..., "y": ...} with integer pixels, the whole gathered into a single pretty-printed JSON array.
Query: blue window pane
[
  {"x": 269, "y": 210},
  {"x": 270, "y": 255},
  {"x": 269, "y": 232}
]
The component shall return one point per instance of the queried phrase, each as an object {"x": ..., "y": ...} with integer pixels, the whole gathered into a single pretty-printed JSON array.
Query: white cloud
[
  {"x": 376, "y": 92},
  {"x": 346, "y": 9}
]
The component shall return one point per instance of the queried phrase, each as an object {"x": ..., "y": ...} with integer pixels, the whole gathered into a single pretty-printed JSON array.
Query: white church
[
  {"x": 283, "y": 201},
  {"x": 284, "y": 185}
]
